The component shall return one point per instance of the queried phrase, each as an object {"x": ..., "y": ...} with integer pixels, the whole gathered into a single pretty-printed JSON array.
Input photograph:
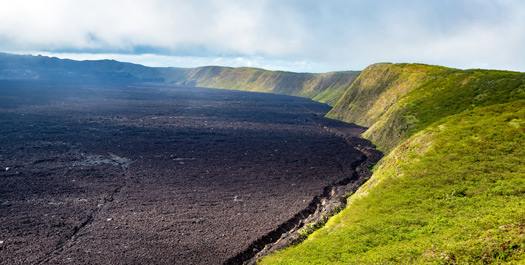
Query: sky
[{"x": 290, "y": 35}]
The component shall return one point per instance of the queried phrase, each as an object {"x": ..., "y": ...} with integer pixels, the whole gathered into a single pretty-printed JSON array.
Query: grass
[
  {"x": 377, "y": 88},
  {"x": 325, "y": 87},
  {"x": 310, "y": 228},
  {"x": 453, "y": 193},
  {"x": 398, "y": 100}
]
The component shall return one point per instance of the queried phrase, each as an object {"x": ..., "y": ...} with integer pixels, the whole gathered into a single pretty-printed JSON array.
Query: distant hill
[
  {"x": 64, "y": 70},
  {"x": 326, "y": 87}
]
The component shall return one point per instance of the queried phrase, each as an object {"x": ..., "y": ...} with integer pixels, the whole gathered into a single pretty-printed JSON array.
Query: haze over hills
[
  {"x": 326, "y": 87},
  {"x": 65, "y": 70},
  {"x": 451, "y": 188}
]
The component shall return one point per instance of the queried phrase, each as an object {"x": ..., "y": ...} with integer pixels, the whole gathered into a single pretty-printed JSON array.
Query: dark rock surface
[{"x": 156, "y": 175}]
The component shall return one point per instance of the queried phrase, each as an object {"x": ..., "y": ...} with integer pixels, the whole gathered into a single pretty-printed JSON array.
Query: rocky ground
[{"x": 155, "y": 175}]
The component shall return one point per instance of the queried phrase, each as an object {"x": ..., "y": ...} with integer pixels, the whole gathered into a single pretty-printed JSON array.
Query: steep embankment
[
  {"x": 326, "y": 87},
  {"x": 453, "y": 193},
  {"x": 452, "y": 188}
]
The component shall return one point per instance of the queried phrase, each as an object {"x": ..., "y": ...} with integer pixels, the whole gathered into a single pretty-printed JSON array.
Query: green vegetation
[
  {"x": 451, "y": 189},
  {"x": 453, "y": 193},
  {"x": 326, "y": 87},
  {"x": 397, "y": 100},
  {"x": 310, "y": 228}
]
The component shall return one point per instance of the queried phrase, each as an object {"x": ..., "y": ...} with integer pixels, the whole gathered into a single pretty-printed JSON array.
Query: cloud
[
  {"x": 325, "y": 35},
  {"x": 178, "y": 26}
]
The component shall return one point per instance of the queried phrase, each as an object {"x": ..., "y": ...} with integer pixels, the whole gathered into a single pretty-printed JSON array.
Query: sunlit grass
[
  {"x": 325, "y": 87},
  {"x": 398, "y": 100},
  {"x": 453, "y": 193}
]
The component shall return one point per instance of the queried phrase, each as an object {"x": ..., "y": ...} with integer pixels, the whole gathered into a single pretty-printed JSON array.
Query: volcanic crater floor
[{"x": 156, "y": 175}]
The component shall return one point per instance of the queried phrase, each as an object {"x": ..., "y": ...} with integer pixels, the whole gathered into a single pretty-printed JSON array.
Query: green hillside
[
  {"x": 451, "y": 189},
  {"x": 326, "y": 87},
  {"x": 453, "y": 193},
  {"x": 397, "y": 100}
]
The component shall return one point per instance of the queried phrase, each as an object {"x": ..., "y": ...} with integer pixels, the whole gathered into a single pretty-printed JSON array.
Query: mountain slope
[
  {"x": 326, "y": 87},
  {"x": 451, "y": 189},
  {"x": 397, "y": 100},
  {"x": 454, "y": 193}
]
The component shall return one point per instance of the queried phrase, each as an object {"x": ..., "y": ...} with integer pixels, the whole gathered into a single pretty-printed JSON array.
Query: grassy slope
[
  {"x": 326, "y": 87},
  {"x": 454, "y": 193},
  {"x": 397, "y": 100},
  {"x": 452, "y": 188}
]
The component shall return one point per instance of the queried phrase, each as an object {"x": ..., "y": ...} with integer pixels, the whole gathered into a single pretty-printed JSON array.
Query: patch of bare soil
[{"x": 152, "y": 175}]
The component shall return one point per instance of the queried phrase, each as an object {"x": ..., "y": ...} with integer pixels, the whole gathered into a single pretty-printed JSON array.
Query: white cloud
[
  {"x": 214, "y": 26},
  {"x": 324, "y": 35}
]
